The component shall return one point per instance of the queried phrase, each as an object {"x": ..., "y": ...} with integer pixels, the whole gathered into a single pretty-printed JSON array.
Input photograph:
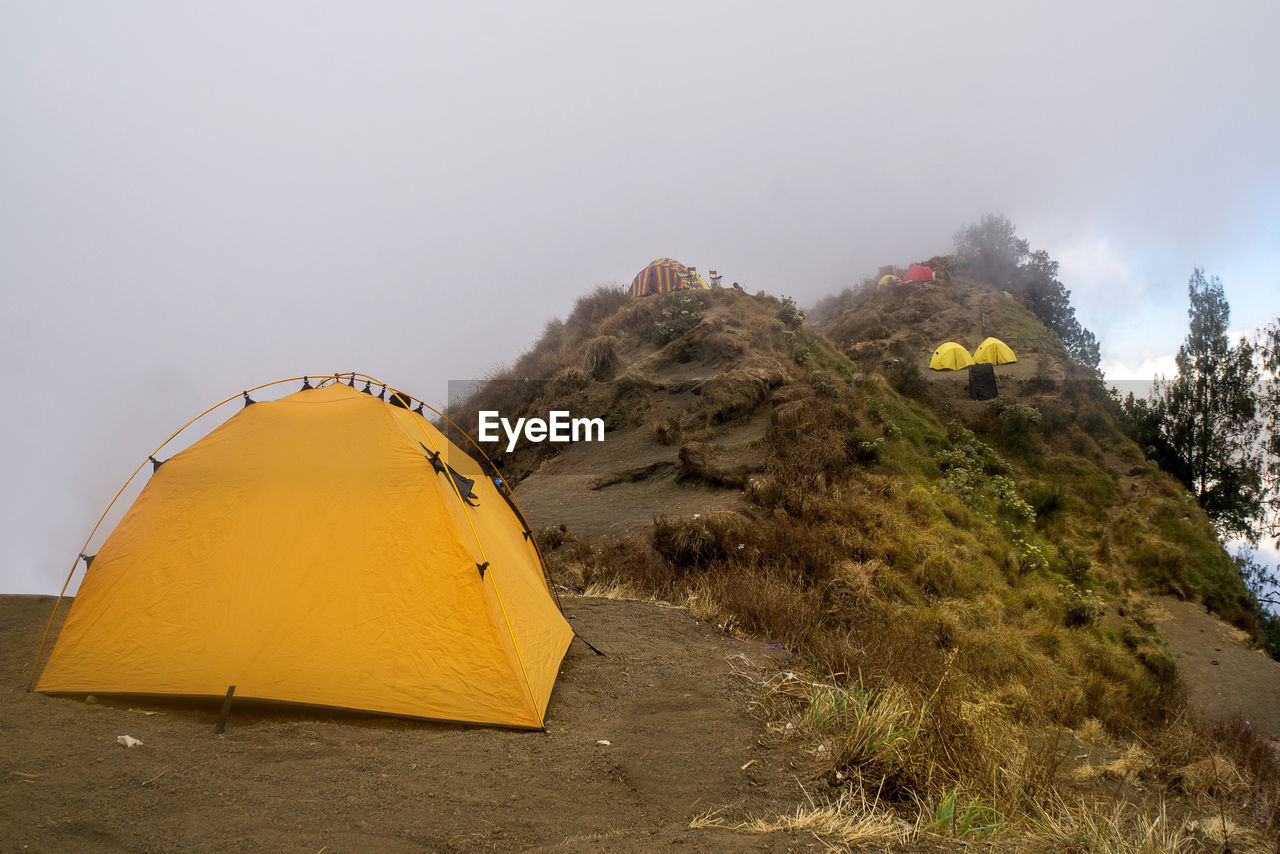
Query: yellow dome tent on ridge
[
  {"x": 330, "y": 548},
  {"x": 993, "y": 351},
  {"x": 663, "y": 275},
  {"x": 950, "y": 357}
]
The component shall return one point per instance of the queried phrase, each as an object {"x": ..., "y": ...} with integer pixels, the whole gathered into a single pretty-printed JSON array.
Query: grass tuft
[{"x": 847, "y": 820}]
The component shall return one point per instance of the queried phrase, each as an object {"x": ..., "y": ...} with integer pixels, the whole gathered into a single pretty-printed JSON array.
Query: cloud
[
  {"x": 1138, "y": 378},
  {"x": 1094, "y": 267},
  {"x": 1149, "y": 368},
  {"x": 198, "y": 200}
]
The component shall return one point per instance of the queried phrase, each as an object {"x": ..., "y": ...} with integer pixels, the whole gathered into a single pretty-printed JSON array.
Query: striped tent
[{"x": 663, "y": 275}]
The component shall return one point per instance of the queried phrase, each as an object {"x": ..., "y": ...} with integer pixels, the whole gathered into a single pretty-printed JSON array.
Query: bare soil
[
  {"x": 618, "y": 486},
  {"x": 1224, "y": 675},
  {"x": 681, "y": 740}
]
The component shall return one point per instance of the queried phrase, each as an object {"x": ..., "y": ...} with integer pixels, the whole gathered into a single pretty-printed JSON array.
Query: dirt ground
[
  {"x": 677, "y": 721},
  {"x": 1223, "y": 674},
  {"x": 619, "y": 485},
  {"x": 680, "y": 728}
]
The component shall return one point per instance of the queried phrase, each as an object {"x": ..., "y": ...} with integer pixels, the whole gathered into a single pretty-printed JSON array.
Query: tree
[
  {"x": 992, "y": 247},
  {"x": 1146, "y": 427},
  {"x": 1050, "y": 301},
  {"x": 1269, "y": 420},
  {"x": 1207, "y": 415},
  {"x": 1262, "y": 581}
]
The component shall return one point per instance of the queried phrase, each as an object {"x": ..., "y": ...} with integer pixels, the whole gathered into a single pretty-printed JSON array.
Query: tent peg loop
[
  {"x": 306, "y": 383},
  {"x": 155, "y": 464},
  {"x": 88, "y": 559},
  {"x": 248, "y": 401}
]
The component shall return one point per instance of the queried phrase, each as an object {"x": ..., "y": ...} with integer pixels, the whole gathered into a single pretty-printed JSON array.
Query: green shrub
[
  {"x": 1073, "y": 563},
  {"x": 824, "y": 387},
  {"x": 863, "y": 447},
  {"x": 972, "y": 818},
  {"x": 1018, "y": 424},
  {"x": 790, "y": 314},
  {"x": 907, "y": 379},
  {"x": 1047, "y": 500},
  {"x": 1054, "y": 419},
  {"x": 1099, "y": 425},
  {"x": 1080, "y": 608},
  {"x": 679, "y": 312}
]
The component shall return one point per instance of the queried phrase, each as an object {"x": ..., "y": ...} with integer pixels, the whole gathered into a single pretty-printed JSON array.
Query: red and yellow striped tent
[{"x": 663, "y": 275}]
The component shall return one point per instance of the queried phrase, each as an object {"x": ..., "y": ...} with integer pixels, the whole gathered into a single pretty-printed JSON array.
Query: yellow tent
[
  {"x": 328, "y": 548},
  {"x": 888, "y": 280},
  {"x": 993, "y": 351},
  {"x": 950, "y": 357}
]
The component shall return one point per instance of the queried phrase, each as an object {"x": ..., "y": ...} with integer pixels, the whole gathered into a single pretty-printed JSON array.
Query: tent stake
[
  {"x": 226, "y": 710},
  {"x": 588, "y": 643}
]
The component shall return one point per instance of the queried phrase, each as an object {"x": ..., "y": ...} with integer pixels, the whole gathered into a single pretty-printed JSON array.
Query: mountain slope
[
  {"x": 958, "y": 575},
  {"x": 685, "y": 385}
]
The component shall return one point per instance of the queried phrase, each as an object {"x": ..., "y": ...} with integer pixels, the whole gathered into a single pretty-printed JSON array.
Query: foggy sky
[{"x": 197, "y": 200}]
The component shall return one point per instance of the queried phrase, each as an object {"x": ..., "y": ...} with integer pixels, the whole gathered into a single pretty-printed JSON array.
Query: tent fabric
[
  {"x": 664, "y": 275},
  {"x": 950, "y": 357},
  {"x": 308, "y": 551},
  {"x": 885, "y": 281},
  {"x": 919, "y": 273},
  {"x": 993, "y": 351},
  {"x": 982, "y": 382}
]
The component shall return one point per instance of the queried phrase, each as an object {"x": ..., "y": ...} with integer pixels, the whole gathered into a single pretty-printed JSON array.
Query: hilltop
[
  {"x": 685, "y": 385},
  {"x": 866, "y": 610},
  {"x": 965, "y": 585}
]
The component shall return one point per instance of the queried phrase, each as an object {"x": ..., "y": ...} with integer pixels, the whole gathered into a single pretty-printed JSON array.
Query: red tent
[{"x": 919, "y": 273}]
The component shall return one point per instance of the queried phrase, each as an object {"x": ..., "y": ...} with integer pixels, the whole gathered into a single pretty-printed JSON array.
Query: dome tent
[
  {"x": 330, "y": 548},
  {"x": 950, "y": 357},
  {"x": 663, "y": 275},
  {"x": 919, "y": 273},
  {"x": 993, "y": 351}
]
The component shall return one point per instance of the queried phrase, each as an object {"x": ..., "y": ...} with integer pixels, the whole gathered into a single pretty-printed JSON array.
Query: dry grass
[
  {"x": 861, "y": 729},
  {"x": 600, "y": 358},
  {"x": 1108, "y": 828},
  {"x": 1212, "y": 777},
  {"x": 1133, "y": 764},
  {"x": 612, "y": 589},
  {"x": 1223, "y": 834},
  {"x": 847, "y": 820}
]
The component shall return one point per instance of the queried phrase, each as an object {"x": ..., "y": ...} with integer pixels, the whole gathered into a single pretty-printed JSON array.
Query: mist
[{"x": 197, "y": 201}]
